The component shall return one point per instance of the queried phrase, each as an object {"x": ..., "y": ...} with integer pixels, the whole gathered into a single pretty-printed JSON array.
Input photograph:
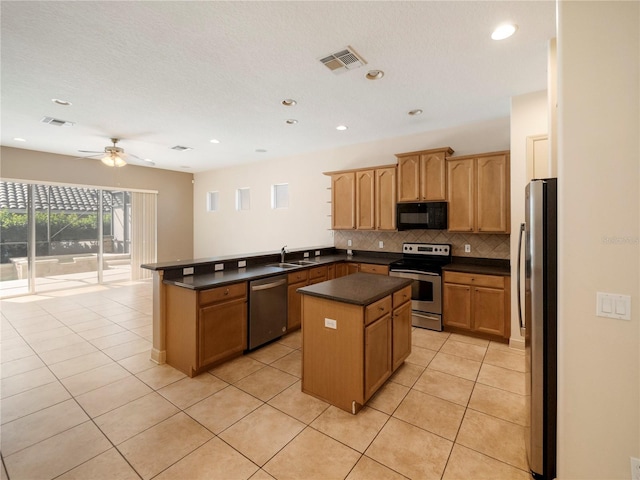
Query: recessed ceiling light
[
  {"x": 341, "y": 127},
  {"x": 292, "y": 121},
  {"x": 260, "y": 150},
  {"x": 214, "y": 140},
  {"x": 18, "y": 139},
  {"x": 289, "y": 102},
  {"x": 374, "y": 74},
  {"x": 417, "y": 111},
  {"x": 64, "y": 103},
  {"x": 504, "y": 31}
]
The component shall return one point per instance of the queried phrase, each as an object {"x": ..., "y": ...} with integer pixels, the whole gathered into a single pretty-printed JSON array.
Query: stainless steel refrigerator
[{"x": 539, "y": 325}]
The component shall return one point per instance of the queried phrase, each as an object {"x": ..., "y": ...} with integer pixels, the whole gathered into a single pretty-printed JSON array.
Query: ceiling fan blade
[
  {"x": 89, "y": 151},
  {"x": 89, "y": 156}
]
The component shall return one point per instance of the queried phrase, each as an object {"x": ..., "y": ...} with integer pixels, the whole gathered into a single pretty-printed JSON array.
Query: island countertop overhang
[{"x": 357, "y": 289}]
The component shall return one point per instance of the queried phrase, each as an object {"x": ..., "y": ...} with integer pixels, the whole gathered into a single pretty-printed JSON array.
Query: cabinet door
[
  {"x": 488, "y": 310},
  {"x": 331, "y": 272},
  {"x": 353, "y": 268},
  {"x": 461, "y": 190},
  {"x": 408, "y": 178},
  {"x": 377, "y": 355},
  {"x": 401, "y": 334},
  {"x": 294, "y": 306},
  {"x": 457, "y": 305},
  {"x": 493, "y": 194},
  {"x": 365, "y": 199},
  {"x": 386, "y": 199},
  {"x": 222, "y": 331},
  {"x": 433, "y": 175},
  {"x": 341, "y": 270},
  {"x": 343, "y": 201}
]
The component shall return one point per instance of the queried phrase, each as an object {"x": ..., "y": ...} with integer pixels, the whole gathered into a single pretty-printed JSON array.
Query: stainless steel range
[{"x": 423, "y": 263}]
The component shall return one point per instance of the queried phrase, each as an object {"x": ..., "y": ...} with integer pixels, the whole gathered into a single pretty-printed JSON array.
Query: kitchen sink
[
  {"x": 283, "y": 265},
  {"x": 303, "y": 262}
]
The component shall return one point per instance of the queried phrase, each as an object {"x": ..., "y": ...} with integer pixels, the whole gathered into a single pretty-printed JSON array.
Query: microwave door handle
[{"x": 518, "y": 275}]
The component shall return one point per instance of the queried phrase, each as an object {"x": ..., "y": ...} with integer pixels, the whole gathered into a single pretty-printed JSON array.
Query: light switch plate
[
  {"x": 613, "y": 305},
  {"x": 380, "y": 244}
]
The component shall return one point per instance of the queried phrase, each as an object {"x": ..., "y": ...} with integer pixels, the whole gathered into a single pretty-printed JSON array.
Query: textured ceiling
[{"x": 160, "y": 74}]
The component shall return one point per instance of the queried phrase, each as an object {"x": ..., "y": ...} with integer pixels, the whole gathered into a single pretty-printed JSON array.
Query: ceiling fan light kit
[{"x": 113, "y": 157}]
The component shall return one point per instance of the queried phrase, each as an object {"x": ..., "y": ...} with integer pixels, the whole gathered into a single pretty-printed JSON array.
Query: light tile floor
[{"x": 82, "y": 400}]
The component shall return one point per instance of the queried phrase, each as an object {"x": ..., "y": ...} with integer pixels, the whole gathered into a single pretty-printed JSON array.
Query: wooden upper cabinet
[
  {"x": 493, "y": 194},
  {"x": 461, "y": 189},
  {"x": 343, "y": 200},
  {"x": 385, "y": 198},
  {"x": 422, "y": 175},
  {"x": 365, "y": 199},
  {"x": 478, "y": 190}
]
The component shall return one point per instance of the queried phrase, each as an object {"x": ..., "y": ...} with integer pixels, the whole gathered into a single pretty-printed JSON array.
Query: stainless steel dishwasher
[{"x": 267, "y": 310}]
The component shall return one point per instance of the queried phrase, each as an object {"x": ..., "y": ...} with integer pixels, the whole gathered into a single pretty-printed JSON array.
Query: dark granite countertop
[
  {"x": 486, "y": 266},
  {"x": 358, "y": 288}
]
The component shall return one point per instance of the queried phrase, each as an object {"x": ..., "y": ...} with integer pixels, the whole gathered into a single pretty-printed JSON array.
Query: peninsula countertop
[{"x": 358, "y": 288}]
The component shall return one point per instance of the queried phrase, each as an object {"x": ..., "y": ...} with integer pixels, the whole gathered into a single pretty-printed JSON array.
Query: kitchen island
[{"x": 356, "y": 331}]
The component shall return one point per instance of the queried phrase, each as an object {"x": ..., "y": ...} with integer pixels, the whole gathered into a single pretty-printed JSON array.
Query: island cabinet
[
  {"x": 205, "y": 327},
  {"x": 422, "y": 175},
  {"x": 477, "y": 304},
  {"x": 364, "y": 199},
  {"x": 478, "y": 189},
  {"x": 349, "y": 333}
]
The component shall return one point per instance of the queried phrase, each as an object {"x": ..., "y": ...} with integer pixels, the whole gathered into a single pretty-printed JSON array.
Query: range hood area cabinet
[
  {"x": 422, "y": 175},
  {"x": 478, "y": 190},
  {"x": 364, "y": 199}
]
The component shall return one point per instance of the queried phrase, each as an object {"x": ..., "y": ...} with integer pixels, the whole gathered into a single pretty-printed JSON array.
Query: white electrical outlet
[
  {"x": 242, "y": 263},
  {"x": 218, "y": 266},
  {"x": 317, "y": 253},
  {"x": 330, "y": 323},
  {"x": 187, "y": 271},
  {"x": 467, "y": 248},
  {"x": 348, "y": 243},
  {"x": 635, "y": 468},
  {"x": 306, "y": 255},
  {"x": 380, "y": 244}
]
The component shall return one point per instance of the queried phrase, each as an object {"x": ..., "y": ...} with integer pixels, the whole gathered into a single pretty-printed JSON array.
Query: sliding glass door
[{"x": 55, "y": 237}]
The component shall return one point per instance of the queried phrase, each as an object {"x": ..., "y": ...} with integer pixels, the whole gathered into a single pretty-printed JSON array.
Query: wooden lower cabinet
[
  {"x": 477, "y": 304},
  {"x": 205, "y": 327},
  {"x": 377, "y": 354},
  {"x": 294, "y": 299},
  {"x": 374, "y": 268},
  {"x": 401, "y": 331}
]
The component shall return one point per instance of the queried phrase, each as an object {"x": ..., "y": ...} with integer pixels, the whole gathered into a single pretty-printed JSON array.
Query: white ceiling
[{"x": 160, "y": 74}]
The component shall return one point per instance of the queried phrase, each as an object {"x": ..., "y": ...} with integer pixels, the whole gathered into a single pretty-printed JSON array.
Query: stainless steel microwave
[{"x": 422, "y": 215}]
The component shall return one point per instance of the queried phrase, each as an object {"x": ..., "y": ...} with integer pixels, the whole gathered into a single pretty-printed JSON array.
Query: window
[
  {"x": 212, "y": 201},
  {"x": 280, "y": 195},
  {"x": 243, "y": 199}
]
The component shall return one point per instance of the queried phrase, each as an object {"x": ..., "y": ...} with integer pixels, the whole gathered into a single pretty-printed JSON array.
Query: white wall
[
  {"x": 528, "y": 117},
  {"x": 599, "y": 185},
  {"x": 306, "y": 223}
]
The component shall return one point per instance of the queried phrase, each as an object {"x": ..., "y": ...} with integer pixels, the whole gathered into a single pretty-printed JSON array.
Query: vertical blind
[{"x": 143, "y": 233}]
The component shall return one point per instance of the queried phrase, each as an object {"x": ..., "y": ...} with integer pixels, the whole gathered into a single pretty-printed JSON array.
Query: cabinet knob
[
  {"x": 226, "y": 292},
  {"x": 381, "y": 308}
]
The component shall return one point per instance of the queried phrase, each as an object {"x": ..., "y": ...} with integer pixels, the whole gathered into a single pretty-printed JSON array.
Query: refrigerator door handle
[{"x": 518, "y": 275}]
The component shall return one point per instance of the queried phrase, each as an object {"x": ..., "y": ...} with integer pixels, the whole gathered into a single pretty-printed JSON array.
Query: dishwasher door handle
[{"x": 267, "y": 286}]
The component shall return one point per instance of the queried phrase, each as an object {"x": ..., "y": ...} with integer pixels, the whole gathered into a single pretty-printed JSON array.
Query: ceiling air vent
[
  {"x": 180, "y": 148},
  {"x": 57, "y": 122},
  {"x": 346, "y": 59}
]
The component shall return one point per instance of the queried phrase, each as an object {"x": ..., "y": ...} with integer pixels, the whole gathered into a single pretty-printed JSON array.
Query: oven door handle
[{"x": 415, "y": 272}]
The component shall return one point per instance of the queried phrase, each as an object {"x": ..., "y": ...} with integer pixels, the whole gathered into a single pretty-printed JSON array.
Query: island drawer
[
  {"x": 377, "y": 309},
  {"x": 492, "y": 281},
  {"x": 401, "y": 296},
  {"x": 218, "y": 294}
]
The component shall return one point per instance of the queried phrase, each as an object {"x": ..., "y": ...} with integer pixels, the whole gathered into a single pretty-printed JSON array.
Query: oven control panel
[{"x": 435, "y": 249}]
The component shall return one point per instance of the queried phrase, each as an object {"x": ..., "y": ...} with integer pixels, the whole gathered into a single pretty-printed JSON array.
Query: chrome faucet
[{"x": 282, "y": 252}]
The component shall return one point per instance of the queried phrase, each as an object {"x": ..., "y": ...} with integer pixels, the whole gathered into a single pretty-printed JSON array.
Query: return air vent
[
  {"x": 180, "y": 148},
  {"x": 346, "y": 59},
  {"x": 57, "y": 122}
]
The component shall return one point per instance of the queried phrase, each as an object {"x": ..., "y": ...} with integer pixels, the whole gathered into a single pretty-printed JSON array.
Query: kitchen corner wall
[{"x": 485, "y": 246}]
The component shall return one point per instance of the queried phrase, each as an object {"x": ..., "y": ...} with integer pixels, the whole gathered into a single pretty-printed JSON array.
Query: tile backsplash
[{"x": 482, "y": 245}]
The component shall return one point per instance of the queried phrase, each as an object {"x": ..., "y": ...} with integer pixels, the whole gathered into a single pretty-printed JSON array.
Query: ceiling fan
[{"x": 114, "y": 156}]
